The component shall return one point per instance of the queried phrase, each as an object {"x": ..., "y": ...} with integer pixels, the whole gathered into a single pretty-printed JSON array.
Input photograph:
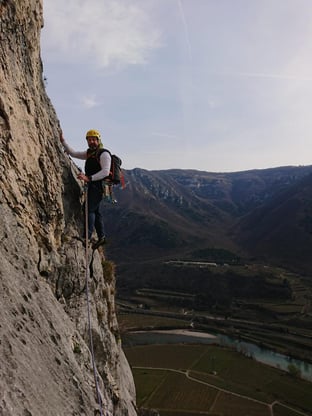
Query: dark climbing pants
[{"x": 95, "y": 209}]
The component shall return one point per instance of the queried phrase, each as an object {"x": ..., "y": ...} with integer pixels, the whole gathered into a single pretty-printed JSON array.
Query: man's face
[{"x": 93, "y": 142}]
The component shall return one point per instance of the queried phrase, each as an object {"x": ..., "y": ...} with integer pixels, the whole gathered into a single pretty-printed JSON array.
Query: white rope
[{"x": 99, "y": 400}]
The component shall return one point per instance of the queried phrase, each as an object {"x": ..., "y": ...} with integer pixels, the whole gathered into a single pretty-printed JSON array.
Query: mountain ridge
[{"x": 198, "y": 208}]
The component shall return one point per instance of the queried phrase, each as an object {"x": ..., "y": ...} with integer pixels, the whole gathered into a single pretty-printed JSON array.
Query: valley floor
[{"x": 193, "y": 380}]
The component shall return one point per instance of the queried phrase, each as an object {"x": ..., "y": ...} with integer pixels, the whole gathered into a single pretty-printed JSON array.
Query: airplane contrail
[
  {"x": 273, "y": 76},
  {"x": 186, "y": 31}
]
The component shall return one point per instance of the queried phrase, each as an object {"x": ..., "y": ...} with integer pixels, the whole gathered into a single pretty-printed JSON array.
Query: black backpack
[{"x": 115, "y": 176}]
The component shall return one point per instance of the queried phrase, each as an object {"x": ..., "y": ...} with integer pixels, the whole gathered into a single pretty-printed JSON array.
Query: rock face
[{"x": 45, "y": 360}]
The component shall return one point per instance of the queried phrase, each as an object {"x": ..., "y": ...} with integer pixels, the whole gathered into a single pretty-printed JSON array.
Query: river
[{"x": 260, "y": 354}]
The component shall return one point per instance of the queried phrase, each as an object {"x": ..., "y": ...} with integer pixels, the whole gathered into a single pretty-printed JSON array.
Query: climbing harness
[{"x": 95, "y": 373}]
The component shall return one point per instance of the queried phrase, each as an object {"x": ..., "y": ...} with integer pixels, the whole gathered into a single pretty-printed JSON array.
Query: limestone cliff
[{"x": 45, "y": 364}]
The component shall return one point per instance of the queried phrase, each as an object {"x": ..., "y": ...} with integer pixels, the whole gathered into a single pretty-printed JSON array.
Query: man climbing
[{"x": 97, "y": 168}]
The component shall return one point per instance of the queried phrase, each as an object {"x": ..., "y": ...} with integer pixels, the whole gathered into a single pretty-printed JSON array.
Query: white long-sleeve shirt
[{"x": 105, "y": 161}]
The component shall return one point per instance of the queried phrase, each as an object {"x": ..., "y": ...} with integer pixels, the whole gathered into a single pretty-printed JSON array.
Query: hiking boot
[{"x": 99, "y": 243}]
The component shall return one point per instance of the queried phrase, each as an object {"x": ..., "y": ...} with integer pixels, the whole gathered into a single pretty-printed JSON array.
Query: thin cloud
[
  {"x": 102, "y": 33},
  {"x": 89, "y": 102}
]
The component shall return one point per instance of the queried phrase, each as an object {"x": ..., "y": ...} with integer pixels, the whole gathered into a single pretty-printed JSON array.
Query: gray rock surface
[{"x": 45, "y": 360}]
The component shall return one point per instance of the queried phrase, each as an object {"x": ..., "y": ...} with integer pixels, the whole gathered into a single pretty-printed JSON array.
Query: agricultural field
[
  {"x": 128, "y": 322},
  {"x": 264, "y": 305},
  {"x": 272, "y": 309},
  {"x": 192, "y": 380}
]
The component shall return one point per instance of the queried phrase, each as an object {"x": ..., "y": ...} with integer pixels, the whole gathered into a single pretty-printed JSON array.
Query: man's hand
[{"x": 83, "y": 177}]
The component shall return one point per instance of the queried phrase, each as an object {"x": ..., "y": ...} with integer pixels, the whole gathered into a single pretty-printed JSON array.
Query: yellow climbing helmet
[{"x": 93, "y": 133}]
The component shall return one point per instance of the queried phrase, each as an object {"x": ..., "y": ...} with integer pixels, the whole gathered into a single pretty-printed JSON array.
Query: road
[{"x": 186, "y": 373}]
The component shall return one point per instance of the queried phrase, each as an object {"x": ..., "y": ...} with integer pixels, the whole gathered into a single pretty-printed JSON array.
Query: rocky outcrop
[{"x": 45, "y": 360}]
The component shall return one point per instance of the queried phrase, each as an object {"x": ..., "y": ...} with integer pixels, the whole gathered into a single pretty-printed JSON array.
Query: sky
[{"x": 212, "y": 85}]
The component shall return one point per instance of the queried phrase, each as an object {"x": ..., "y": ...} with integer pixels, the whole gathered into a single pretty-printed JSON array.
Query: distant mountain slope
[
  {"x": 175, "y": 212},
  {"x": 156, "y": 214},
  {"x": 280, "y": 230}
]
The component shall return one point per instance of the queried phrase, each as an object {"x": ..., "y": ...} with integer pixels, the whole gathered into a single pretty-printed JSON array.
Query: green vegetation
[
  {"x": 217, "y": 255},
  {"x": 211, "y": 287},
  {"x": 139, "y": 321},
  {"x": 214, "y": 380},
  {"x": 294, "y": 371},
  {"x": 195, "y": 293},
  {"x": 264, "y": 305},
  {"x": 77, "y": 349}
]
